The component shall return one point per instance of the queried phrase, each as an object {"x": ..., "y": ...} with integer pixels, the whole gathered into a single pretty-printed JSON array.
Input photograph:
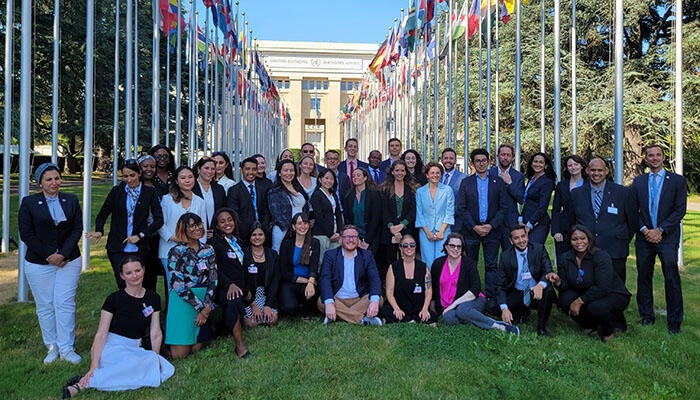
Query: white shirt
[{"x": 171, "y": 214}]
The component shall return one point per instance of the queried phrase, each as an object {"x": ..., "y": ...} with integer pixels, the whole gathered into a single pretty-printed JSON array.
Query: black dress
[{"x": 409, "y": 293}]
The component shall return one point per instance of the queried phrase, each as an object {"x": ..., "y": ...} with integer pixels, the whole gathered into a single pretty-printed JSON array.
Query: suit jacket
[
  {"x": 456, "y": 178},
  {"x": 537, "y": 202},
  {"x": 612, "y": 230},
  {"x": 599, "y": 278},
  {"x": 218, "y": 193},
  {"x": 467, "y": 208},
  {"x": 285, "y": 262},
  {"x": 343, "y": 184},
  {"x": 538, "y": 263},
  {"x": 229, "y": 270},
  {"x": 389, "y": 214},
  {"x": 386, "y": 164},
  {"x": 238, "y": 199},
  {"x": 672, "y": 205},
  {"x": 271, "y": 279},
  {"x": 514, "y": 192},
  {"x": 468, "y": 280},
  {"x": 324, "y": 215},
  {"x": 433, "y": 214},
  {"x": 332, "y": 273},
  {"x": 381, "y": 175},
  {"x": 373, "y": 215},
  {"x": 147, "y": 204},
  {"x": 343, "y": 166},
  {"x": 562, "y": 214},
  {"x": 42, "y": 236}
]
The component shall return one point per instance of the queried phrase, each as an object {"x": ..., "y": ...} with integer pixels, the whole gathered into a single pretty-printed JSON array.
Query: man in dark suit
[
  {"x": 604, "y": 208},
  {"x": 349, "y": 283},
  {"x": 452, "y": 176},
  {"x": 515, "y": 187},
  {"x": 375, "y": 171},
  {"x": 248, "y": 198},
  {"x": 395, "y": 148},
  {"x": 522, "y": 283},
  {"x": 351, "y": 162},
  {"x": 479, "y": 214},
  {"x": 660, "y": 198},
  {"x": 343, "y": 183}
]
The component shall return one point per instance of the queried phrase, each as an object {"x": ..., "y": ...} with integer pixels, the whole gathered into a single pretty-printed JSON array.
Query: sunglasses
[{"x": 407, "y": 245}]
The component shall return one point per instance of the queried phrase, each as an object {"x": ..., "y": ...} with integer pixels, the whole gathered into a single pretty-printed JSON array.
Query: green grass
[{"x": 340, "y": 361}]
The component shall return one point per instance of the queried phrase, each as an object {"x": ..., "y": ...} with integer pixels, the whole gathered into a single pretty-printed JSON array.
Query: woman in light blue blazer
[{"x": 435, "y": 213}]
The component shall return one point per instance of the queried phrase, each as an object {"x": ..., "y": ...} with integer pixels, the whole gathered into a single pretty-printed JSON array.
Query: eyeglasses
[
  {"x": 350, "y": 237},
  {"x": 195, "y": 227},
  {"x": 454, "y": 246},
  {"x": 481, "y": 160},
  {"x": 407, "y": 245}
]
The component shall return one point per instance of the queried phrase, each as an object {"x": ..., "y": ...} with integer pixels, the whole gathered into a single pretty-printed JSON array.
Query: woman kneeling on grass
[{"x": 118, "y": 360}]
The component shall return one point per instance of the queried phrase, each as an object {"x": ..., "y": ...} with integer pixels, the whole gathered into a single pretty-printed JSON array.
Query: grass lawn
[{"x": 340, "y": 361}]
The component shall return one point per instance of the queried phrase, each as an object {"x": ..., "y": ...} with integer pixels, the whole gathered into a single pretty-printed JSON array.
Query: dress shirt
[
  {"x": 55, "y": 209},
  {"x": 132, "y": 197},
  {"x": 349, "y": 289},
  {"x": 482, "y": 188},
  {"x": 656, "y": 181}
]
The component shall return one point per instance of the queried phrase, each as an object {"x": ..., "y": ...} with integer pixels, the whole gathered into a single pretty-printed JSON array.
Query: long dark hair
[
  {"x": 171, "y": 163},
  {"x": 578, "y": 160},
  {"x": 175, "y": 190},
  {"x": 419, "y": 161},
  {"x": 388, "y": 185},
  {"x": 295, "y": 183},
  {"x": 234, "y": 216},
  {"x": 548, "y": 168},
  {"x": 369, "y": 183},
  {"x": 305, "y": 256},
  {"x": 228, "y": 171}
]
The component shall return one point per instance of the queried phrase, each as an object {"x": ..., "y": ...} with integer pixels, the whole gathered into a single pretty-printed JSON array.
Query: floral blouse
[{"x": 192, "y": 268}]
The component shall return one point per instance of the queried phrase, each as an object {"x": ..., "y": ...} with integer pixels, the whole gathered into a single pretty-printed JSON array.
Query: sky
[{"x": 354, "y": 21}]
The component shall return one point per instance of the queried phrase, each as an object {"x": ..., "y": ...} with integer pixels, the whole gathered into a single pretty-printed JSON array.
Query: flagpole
[
  {"x": 517, "y": 84},
  {"x": 678, "y": 103},
  {"x": 155, "y": 98},
  {"x": 128, "y": 116},
  {"x": 436, "y": 68},
  {"x": 89, "y": 129},
  {"x": 190, "y": 86},
  {"x": 574, "y": 133},
  {"x": 7, "y": 132},
  {"x": 25, "y": 127},
  {"x": 496, "y": 124},
  {"x": 115, "y": 124},
  {"x": 55, "y": 85},
  {"x": 557, "y": 89},
  {"x": 481, "y": 84},
  {"x": 167, "y": 90},
  {"x": 542, "y": 75},
  {"x": 450, "y": 120},
  {"x": 178, "y": 85},
  {"x": 619, "y": 92},
  {"x": 424, "y": 134},
  {"x": 206, "y": 84},
  {"x": 466, "y": 93},
  {"x": 136, "y": 78},
  {"x": 217, "y": 106},
  {"x": 489, "y": 24}
]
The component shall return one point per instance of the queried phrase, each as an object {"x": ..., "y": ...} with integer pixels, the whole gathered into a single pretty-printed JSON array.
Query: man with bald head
[{"x": 605, "y": 208}]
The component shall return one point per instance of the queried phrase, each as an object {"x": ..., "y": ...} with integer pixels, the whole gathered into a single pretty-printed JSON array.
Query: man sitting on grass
[{"x": 349, "y": 282}]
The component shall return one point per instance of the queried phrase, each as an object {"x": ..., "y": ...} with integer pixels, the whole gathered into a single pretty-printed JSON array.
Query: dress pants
[
  {"x": 429, "y": 249},
  {"x": 292, "y": 300},
  {"x": 470, "y": 312},
  {"x": 620, "y": 268},
  {"x": 54, "y": 290},
  {"x": 350, "y": 310},
  {"x": 668, "y": 254},
  {"x": 607, "y": 312},
  {"x": 539, "y": 234},
  {"x": 514, "y": 300},
  {"x": 490, "y": 245}
]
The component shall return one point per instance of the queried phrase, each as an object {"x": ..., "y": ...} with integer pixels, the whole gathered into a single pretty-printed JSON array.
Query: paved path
[{"x": 692, "y": 206}]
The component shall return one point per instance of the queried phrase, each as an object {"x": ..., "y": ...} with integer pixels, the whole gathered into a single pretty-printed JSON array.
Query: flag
[
  {"x": 262, "y": 74},
  {"x": 208, "y": 3},
  {"x": 201, "y": 47},
  {"x": 430, "y": 49},
  {"x": 474, "y": 17},
  {"x": 505, "y": 15},
  {"x": 386, "y": 59},
  {"x": 459, "y": 24},
  {"x": 510, "y": 5},
  {"x": 376, "y": 62}
]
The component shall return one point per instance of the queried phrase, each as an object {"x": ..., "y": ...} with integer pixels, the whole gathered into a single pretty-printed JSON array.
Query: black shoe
[
  {"x": 674, "y": 329},
  {"x": 542, "y": 332},
  {"x": 647, "y": 321}
]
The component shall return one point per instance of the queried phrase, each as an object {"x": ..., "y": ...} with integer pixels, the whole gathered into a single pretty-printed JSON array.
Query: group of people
[{"x": 374, "y": 242}]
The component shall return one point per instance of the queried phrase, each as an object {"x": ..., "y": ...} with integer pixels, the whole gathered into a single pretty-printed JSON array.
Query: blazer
[
  {"x": 672, "y": 205},
  {"x": 324, "y": 214},
  {"x": 514, "y": 195},
  {"x": 433, "y": 214},
  {"x": 616, "y": 220},
  {"x": 468, "y": 279},
  {"x": 373, "y": 215},
  {"x": 408, "y": 214},
  {"x": 272, "y": 278},
  {"x": 230, "y": 270},
  {"x": 332, "y": 274},
  {"x": 219, "y": 195},
  {"x": 537, "y": 202},
  {"x": 599, "y": 278},
  {"x": 456, "y": 178},
  {"x": 285, "y": 262},
  {"x": 343, "y": 184},
  {"x": 538, "y": 263},
  {"x": 148, "y": 204},
  {"x": 280, "y": 207},
  {"x": 42, "y": 236},
  {"x": 380, "y": 173},
  {"x": 386, "y": 164},
  {"x": 238, "y": 199},
  {"x": 467, "y": 208},
  {"x": 343, "y": 166}
]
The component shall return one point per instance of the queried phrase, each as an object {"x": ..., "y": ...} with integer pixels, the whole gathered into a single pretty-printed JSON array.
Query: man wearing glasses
[
  {"x": 349, "y": 283},
  {"x": 521, "y": 282},
  {"x": 479, "y": 213}
]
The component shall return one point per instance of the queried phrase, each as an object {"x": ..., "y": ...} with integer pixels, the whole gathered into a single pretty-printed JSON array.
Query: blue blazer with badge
[
  {"x": 672, "y": 205},
  {"x": 332, "y": 274},
  {"x": 513, "y": 195},
  {"x": 614, "y": 226},
  {"x": 42, "y": 236},
  {"x": 467, "y": 208}
]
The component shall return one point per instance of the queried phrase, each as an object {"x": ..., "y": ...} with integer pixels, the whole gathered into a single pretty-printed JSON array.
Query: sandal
[{"x": 72, "y": 383}]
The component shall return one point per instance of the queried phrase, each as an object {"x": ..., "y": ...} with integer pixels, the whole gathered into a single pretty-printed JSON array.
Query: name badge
[
  {"x": 231, "y": 254},
  {"x": 201, "y": 265},
  {"x": 418, "y": 289},
  {"x": 526, "y": 275},
  {"x": 612, "y": 210},
  {"x": 147, "y": 311},
  {"x": 252, "y": 269}
]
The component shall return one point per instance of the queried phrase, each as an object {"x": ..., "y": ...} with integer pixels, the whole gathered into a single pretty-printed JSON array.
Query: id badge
[
  {"x": 230, "y": 254},
  {"x": 526, "y": 275},
  {"x": 147, "y": 311},
  {"x": 252, "y": 269},
  {"x": 201, "y": 265},
  {"x": 612, "y": 210},
  {"x": 417, "y": 289}
]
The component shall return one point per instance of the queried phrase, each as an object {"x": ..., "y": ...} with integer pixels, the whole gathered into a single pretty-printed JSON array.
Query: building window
[
  {"x": 304, "y": 85},
  {"x": 286, "y": 84}
]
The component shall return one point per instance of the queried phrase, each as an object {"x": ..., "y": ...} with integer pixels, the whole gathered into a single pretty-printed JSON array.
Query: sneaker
[
  {"x": 510, "y": 328},
  {"x": 376, "y": 321},
  {"x": 326, "y": 320},
  {"x": 72, "y": 357},
  {"x": 365, "y": 321},
  {"x": 52, "y": 355}
]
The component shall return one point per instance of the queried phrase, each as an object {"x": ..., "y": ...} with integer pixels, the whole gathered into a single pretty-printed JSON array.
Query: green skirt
[{"x": 180, "y": 328}]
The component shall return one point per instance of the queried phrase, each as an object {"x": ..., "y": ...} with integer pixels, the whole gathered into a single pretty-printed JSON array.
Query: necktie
[
  {"x": 352, "y": 168},
  {"x": 654, "y": 198},
  {"x": 376, "y": 176},
  {"x": 447, "y": 179},
  {"x": 597, "y": 202},
  {"x": 526, "y": 291},
  {"x": 251, "y": 190}
]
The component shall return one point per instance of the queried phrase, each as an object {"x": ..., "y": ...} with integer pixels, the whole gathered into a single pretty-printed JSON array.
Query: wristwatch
[{"x": 141, "y": 235}]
